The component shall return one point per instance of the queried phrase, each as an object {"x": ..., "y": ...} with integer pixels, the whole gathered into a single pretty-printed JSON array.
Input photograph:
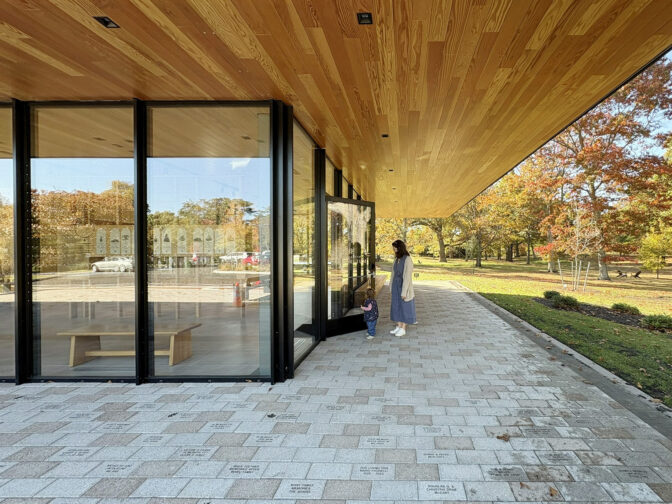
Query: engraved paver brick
[
  {"x": 631, "y": 492},
  {"x": 114, "y": 487}
]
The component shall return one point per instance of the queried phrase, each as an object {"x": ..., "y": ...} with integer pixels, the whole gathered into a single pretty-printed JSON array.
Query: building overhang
[{"x": 463, "y": 89}]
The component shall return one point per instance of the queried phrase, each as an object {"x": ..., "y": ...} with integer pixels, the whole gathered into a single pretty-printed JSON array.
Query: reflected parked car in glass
[{"x": 113, "y": 264}]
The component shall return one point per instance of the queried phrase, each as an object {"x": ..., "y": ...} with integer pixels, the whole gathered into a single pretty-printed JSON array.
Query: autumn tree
[
  {"x": 655, "y": 247},
  {"x": 608, "y": 151}
]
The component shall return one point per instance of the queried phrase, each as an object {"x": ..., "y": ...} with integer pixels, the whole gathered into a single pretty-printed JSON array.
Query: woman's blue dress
[{"x": 400, "y": 310}]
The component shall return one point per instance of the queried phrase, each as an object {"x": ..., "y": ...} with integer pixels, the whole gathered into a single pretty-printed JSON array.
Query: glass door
[{"x": 349, "y": 255}]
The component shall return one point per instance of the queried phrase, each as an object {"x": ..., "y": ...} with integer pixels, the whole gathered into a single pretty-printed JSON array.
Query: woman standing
[{"x": 402, "y": 309}]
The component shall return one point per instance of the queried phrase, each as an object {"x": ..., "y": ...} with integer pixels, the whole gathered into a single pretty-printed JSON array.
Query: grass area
[
  {"x": 652, "y": 296},
  {"x": 639, "y": 356}
]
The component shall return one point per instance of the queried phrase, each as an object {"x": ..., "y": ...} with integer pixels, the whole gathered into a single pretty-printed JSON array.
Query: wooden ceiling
[{"x": 465, "y": 89}]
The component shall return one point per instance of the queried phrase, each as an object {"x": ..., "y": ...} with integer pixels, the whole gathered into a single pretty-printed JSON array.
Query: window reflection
[
  {"x": 209, "y": 240},
  {"x": 349, "y": 255},
  {"x": 82, "y": 210},
  {"x": 7, "y": 298},
  {"x": 304, "y": 242}
]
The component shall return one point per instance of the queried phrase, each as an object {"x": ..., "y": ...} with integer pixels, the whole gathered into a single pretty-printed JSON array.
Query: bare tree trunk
[
  {"x": 499, "y": 253},
  {"x": 478, "y": 250},
  {"x": 551, "y": 266},
  {"x": 442, "y": 246},
  {"x": 509, "y": 252},
  {"x": 529, "y": 248},
  {"x": 603, "y": 271}
]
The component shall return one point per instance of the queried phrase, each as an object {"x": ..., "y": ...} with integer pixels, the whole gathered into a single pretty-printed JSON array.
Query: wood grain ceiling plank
[
  {"x": 177, "y": 69},
  {"x": 549, "y": 24},
  {"x": 204, "y": 60},
  {"x": 592, "y": 11},
  {"x": 82, "y": 12},
  {"x": 24, "y": 43}
]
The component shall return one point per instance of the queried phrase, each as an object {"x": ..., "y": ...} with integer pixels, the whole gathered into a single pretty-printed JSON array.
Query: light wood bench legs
[
  {"x": 84, "y": 348},
  {"x": 180, "y": 347},
  {"x": 80, "y": 346}
]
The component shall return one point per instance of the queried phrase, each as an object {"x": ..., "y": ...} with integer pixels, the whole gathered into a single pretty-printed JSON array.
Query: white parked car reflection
[{"x": 113, "y": 264}]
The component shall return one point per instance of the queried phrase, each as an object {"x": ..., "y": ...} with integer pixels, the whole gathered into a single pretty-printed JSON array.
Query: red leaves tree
[{"x": 609, "y": 159}]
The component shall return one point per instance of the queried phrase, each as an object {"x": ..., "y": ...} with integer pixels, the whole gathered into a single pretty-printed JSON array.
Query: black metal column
[
  {"x": 23, "y": 321},
  {"x": 350, "y": 191},
  {"x": 143, "y": 363},
  {"x": 338, "y": 183},
  {"x": 321, "y": 243},
  {"x": 282, "y": 350}
]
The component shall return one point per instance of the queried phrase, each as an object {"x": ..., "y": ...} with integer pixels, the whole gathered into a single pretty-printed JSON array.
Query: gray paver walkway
[{"x": 462, "y": 409}]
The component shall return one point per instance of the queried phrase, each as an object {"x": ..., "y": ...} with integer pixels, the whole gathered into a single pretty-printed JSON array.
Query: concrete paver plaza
[{"x": 465, "y": 408}]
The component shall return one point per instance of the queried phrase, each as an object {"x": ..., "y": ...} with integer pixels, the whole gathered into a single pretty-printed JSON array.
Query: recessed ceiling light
[
  {"x": 390, "y": 170},
  {"x": 385, "y": 135},
  {"x": 106, "y": 22},
  {"x": 364, "y": 18},
  {"x": 394, "y": 188},
  {"x": 245, "y": 137}
]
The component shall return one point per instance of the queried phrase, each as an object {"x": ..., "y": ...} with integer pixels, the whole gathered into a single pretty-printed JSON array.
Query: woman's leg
[{"x": 402, "y": 325}]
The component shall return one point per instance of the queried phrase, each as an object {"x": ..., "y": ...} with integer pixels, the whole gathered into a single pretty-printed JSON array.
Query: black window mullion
[
  {"x": 321, "y": 242},
  {"x": 23, "y": 327},
  {"x": 143, "y": 363}
]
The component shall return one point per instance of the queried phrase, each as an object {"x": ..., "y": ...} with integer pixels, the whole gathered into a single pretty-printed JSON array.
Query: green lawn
[{"x": 641, "y": 357}]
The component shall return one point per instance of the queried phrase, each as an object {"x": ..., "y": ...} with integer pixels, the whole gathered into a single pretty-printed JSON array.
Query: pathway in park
[{"x": 465, "y": 408}]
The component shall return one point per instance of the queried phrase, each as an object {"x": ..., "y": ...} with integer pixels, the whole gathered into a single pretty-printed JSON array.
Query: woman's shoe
[
  {"x": 401, "y": 332},
  {"x": 395, "y": 330}
]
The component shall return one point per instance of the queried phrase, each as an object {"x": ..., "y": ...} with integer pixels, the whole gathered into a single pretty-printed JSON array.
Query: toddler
[{"x": 370, "y": 308}]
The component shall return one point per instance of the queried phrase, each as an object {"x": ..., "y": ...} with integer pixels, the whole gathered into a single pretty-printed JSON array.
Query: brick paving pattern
[{"x": 464, "y": 408}]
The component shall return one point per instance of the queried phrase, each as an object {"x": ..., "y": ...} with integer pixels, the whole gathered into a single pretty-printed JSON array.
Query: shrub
[
  {"x": 551, "y": 294},
  {"x": 625, "y": 308},
  {"x": 565, "y": 302},
  {"x": 658, "y": 322}
]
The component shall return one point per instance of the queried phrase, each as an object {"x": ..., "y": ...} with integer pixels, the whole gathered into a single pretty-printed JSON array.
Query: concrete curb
[{"x": 645, "y": 399}]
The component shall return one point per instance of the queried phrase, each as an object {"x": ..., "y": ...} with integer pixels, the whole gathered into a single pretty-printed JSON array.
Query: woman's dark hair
[{"x": 401, "y": 248}]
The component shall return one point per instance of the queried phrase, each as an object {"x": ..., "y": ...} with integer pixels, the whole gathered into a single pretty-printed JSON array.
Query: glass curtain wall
[
  {"x": 82, "y": 181},
  {"x": 304, "y": 259},
  {"x": 209, "y": 248},
  {"x": 7, "y": 297},
  {"x": 349, "y": 228}
]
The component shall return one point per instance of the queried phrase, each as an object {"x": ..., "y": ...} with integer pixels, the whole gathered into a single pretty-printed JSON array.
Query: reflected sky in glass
[
  {"x": 192, "y": 178},
  {"x": 6, "y": 180}
]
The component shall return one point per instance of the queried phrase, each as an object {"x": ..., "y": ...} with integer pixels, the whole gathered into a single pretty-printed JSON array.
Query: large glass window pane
[
  {"x": 7, "y": 298},
  {"x": 349, "y": 227},
  {"x": 209, "y": 199},
  {"x": 304, "y": 242},
  {"x": 329, "y": 167},
  {"x": 82, "y": 202}
]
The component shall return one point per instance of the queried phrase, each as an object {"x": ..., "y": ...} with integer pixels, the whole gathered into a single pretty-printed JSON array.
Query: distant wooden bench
[{"x": 85, "y": 341}]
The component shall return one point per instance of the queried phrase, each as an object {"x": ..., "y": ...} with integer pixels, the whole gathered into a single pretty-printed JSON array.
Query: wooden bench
[{"x": 85, "y": 341}]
